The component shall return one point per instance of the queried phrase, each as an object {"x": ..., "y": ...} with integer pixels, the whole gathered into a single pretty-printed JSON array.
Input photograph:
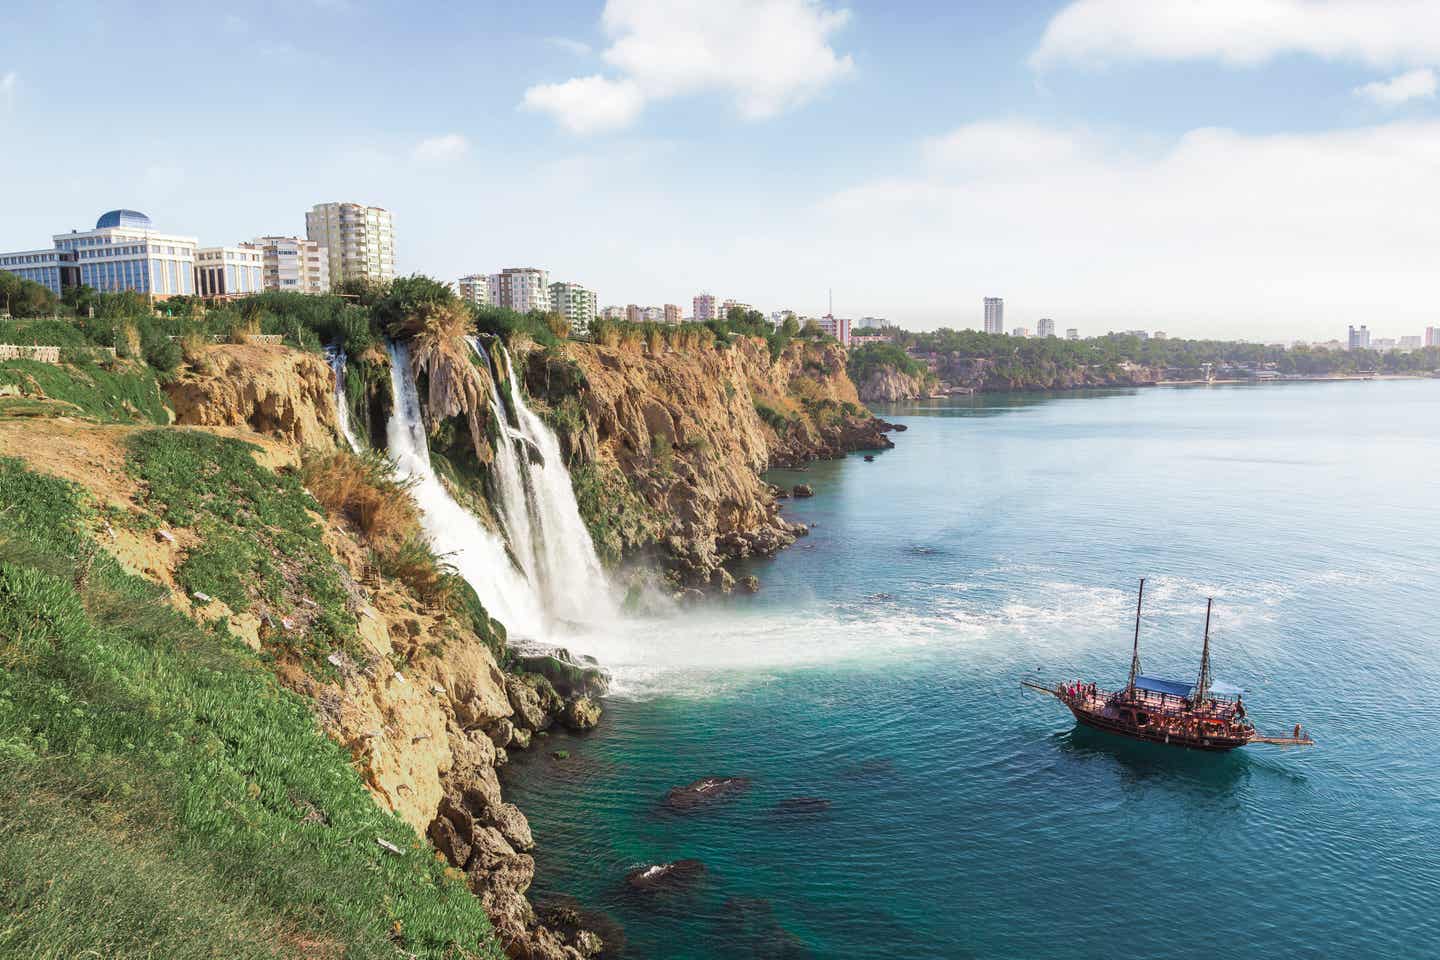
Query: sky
[{"x": 1264, "y": 169}]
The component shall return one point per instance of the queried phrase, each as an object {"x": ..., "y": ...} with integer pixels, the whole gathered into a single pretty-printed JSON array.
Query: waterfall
[
  {"x": 540, "y": 512},
  {"x": 336, "y": 356},
  {"x": 454, "y": 532}
]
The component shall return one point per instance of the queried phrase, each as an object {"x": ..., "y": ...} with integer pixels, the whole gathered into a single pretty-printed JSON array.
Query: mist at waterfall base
[{"x": 1002, "y": 538}]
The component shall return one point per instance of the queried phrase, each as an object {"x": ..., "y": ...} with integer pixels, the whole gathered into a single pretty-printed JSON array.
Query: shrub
[{"x": 362, "y": 488}]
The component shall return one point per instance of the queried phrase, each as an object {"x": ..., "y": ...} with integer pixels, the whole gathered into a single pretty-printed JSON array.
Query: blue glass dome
[{"x": 122, "y": 218}]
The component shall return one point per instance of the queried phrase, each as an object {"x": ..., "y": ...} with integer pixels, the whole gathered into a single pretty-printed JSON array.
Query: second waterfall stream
[{"x": 545, "y": 581}]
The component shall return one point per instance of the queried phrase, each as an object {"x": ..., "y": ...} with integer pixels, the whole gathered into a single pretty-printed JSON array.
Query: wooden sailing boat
[{"x": 1204, "y": 715}]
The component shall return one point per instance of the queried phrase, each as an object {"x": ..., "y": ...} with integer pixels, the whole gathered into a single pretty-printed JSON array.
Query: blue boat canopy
[{"x": 1178, "y": 688}]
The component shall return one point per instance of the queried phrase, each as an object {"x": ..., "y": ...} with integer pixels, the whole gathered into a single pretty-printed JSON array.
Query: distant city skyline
[{"x": 1104, "y": 168}]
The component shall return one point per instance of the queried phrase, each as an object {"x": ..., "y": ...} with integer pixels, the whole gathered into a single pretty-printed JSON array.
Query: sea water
[{"x": 879, "y": 669}]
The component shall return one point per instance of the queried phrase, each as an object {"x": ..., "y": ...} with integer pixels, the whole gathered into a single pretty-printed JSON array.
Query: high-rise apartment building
[
  {"x": 1072, "y": 334},
  {"x": 994, "y": 315},
  {"x": 633, "y": 313},
  {"x": 837, "y": 327},
  {"x": 521, "y": 289},
  {"x": 672, "y": 313},
  {"x": 575, "y": 303},
  {"x": 295, "y": 264},
  {"x": 1045, "y": 327},
  {"x": 1359, "y": 339},
  {"x": 475, "y": 288},
  {"x": 613, "y": 313},
  {"x": 706, "y": 307},
  {"x": 229, "y": 271},
  {"x": 729, "y": 305},
  {"x": 360, "y": 240},
  {"x": 1432, "y": 336},
  {"x": 1020, "y": 332}
]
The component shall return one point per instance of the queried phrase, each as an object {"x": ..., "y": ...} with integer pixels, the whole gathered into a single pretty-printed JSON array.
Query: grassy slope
[
  {"x": 162, "y": 796},
  {"x": 117, "y": 392}
]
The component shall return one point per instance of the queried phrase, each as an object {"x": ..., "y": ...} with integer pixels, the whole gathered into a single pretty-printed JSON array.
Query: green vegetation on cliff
[
  {"x": 1027, "y": 358},
  {"x": 618, "y": 518},
  {"x": 117, "y": 391},
  {"x": 162, "y": 796},
  {"x": 259, "y": 544}
]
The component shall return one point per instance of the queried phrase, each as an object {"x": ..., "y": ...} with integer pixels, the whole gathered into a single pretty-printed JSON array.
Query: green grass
[
  {"x": 162, "y": 796},
  {"x": 123, "y": 393},
  {"x": 259, "y": 546}
]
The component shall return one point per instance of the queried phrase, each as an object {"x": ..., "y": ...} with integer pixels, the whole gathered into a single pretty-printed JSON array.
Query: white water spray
[
  {"x": 538, "y": 503},
  {"x": 454, "y": 532},
  {"x": 336, "y": 356}
]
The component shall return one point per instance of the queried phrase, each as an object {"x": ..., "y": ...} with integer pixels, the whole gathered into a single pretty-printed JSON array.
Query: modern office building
[
  {"x": 521, "y": 289},
  {"x": 1432, "y": 336},
  {"x": 994, "y": 315},
  {"x": 476, "y": 289},
  {"x": 706, "y": 307},
  {"x": 672, "y": 313},
  {"x": 124, "y": 253},
  {"x": 51, "y": 268},
  {"x": 229, "y": 271},
  {"x": 294, "y": 264},
  {"x": 1045, "y": 327},
  {"x": 575, "y": 303},
  {"x": 1359, "y": 339},
  {"x": 360, "y": 240},
  {"x": 1072, "y": 334}
]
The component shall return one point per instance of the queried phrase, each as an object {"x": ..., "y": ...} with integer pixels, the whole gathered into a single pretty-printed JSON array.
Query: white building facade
[
  {"x": 706, "y": 307},
  {"x": 994, "y": 315},
  {"x": 476, "y": 289},
  {"x": 1045, "y": 327},
  {"x": 294, "y": 264},
  {"x": 229, "y": 271},
  {"x": 521, "y": 289},
  {"x": 360, "y": 240},
  {"x": 575, "y": 303}
]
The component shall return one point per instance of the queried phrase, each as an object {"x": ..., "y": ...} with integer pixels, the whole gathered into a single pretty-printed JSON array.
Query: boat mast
[
  {"x": 1135, "y": 656},
  {"x": 1202, "y": 683}
]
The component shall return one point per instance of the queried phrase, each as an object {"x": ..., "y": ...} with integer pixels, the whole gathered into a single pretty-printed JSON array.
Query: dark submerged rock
[
  {"x": 664, "y": 877},
  {"x": 803, "y": 806},
  {"x": 705, "y": 791},
  {"x": 802, "y": 490}
]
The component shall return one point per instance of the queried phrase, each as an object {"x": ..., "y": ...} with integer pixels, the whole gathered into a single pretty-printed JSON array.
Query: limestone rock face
[
  {"x": 271, "y": 389},
  {"x": 582, "y": 713},
  {"x": 888, "y": 385},
  {"x": 690, "y": 429}
]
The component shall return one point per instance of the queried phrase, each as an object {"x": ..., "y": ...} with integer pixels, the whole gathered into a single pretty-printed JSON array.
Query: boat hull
[{"x": 1214, "y": 744}]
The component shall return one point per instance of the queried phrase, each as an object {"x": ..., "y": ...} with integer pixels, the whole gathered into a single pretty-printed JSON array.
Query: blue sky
[{"x": 1216, "y": 168}]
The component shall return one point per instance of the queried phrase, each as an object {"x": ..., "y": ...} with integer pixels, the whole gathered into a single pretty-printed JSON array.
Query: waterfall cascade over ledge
[{"x": 542, "y": 579}]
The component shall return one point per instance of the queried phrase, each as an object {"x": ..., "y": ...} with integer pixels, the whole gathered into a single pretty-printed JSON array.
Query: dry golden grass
[{"x": 361, "y": 490}]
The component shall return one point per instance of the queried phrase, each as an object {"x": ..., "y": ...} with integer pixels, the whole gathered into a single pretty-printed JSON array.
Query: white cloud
[
  {"x": 588, "y": 104},
  {"x": 1415, "y": 85},
  {"x": 575, "y": 47},
  {"x": 1375, "y": 32},
  {"x": 767, "y": 55},
  {"x": 1216, "y": 232},
  {"x": 440, "y": 150},
  {"x": 8, "y": 83}
]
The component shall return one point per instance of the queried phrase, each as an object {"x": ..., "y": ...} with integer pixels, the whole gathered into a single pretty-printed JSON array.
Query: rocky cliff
[
  {"x": 418, "y": 699},
  {"x": 273, "y": 390},
  {"x": 888, "y": 385},
  {"x": 667, "y": 445}
]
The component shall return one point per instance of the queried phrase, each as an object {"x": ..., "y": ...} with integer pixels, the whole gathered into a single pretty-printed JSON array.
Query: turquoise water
[{"x": 1001, "y": 539}]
